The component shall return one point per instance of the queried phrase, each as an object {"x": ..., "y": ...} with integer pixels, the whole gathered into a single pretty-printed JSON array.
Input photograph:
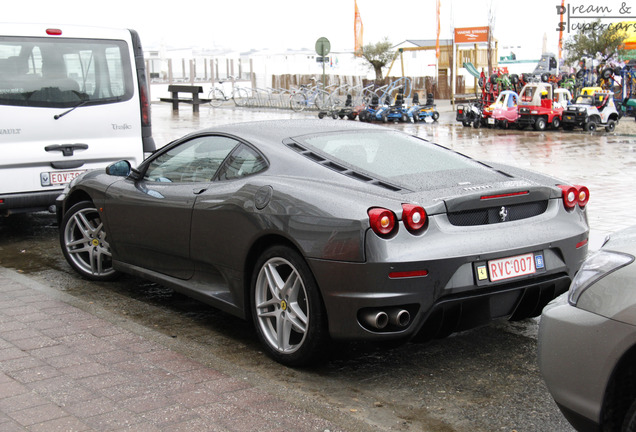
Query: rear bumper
[{"x": 28, "y": 202}]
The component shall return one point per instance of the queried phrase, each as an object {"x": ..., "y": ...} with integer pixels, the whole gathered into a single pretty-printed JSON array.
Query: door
[{"x": 149, "y": 219}]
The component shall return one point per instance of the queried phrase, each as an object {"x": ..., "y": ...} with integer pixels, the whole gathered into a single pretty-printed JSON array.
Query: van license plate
[
  {"x": 55, "y": 178},
  {"x": 507, "y": 268}
]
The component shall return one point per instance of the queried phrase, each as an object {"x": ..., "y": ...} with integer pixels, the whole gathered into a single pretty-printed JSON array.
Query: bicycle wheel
[
  {"x": 216, "y": 97},
  {"x": 298, "y": 102},
  {"x": 322, "y": 100},
  {"x": 240, "y": 97}
]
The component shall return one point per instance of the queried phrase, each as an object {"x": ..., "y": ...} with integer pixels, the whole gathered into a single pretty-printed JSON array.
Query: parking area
[{"x": 485, "y": 379}]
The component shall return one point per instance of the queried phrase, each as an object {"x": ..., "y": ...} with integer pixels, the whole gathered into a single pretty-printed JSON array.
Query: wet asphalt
[{"x": 485, "y": 379}]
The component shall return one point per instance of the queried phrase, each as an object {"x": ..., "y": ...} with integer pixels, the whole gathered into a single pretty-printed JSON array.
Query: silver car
[
  {"x": 321, "y": 230},
  {"x": 587, "y": 341}
]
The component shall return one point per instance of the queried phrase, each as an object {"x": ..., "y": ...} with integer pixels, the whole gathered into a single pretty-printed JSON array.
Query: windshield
[
  {"x": 64, "y": 72},
  {"x": 584, "y": 100}
]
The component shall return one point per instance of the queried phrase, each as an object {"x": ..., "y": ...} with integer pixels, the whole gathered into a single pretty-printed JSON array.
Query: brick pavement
[{"x": 64, "y": 369}]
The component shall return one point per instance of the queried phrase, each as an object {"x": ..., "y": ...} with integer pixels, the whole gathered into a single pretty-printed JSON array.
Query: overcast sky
[{"x": 281, "y": 24}]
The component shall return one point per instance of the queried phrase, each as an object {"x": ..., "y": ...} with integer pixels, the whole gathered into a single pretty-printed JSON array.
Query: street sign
[
  {"x": 323, "y": 46},
  {"x": 322, "y": 59}
]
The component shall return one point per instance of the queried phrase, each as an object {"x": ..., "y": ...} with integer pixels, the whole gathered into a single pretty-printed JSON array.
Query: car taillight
[
  {"x": 413, "y": 216},
  {"x": 382, "y": 221},
  {"x": 583, "y": 195},
  {"x": 54, "y": 32},
  {"x": 573, "y": 195}
]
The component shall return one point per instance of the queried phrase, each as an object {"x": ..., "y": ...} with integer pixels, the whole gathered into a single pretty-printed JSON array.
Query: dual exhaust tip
[{"x": 379, "y": 319}]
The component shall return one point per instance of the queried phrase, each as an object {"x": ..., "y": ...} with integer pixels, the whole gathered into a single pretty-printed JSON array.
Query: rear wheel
[
  {"x": 287, "y": 308},
  {"x": 611, "y": 125},
  {"x": 629, "y": 424},
  {"x": 556, "y": 123},
  {"x": 435, "y": 116},
  {"x": 84, "y": 243}
]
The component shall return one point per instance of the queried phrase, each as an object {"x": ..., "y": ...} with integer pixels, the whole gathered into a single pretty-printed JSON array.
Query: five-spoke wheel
[
  {"x": 84, "y": 242},
  {"x": 287, "y": 308}
]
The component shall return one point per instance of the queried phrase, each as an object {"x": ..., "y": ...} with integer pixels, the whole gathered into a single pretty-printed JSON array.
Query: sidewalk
[{"x": 64, "y": 369}]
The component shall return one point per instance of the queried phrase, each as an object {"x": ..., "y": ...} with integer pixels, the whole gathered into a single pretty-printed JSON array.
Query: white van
[{"x": 71, "y": 99}]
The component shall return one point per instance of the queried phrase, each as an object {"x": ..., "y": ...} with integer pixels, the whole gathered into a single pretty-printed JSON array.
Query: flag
[
  {"x": 561, "y": 32},
  {"x": 357, "y": 29},
  {"x": 437, "y": 41}
]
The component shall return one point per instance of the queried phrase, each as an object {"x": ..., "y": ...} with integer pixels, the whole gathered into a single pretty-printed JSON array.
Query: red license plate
[{"x": 508, "y": 268}]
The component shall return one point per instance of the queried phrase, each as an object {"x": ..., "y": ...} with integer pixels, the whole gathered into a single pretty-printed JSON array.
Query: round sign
[{"x": 323, "y": 46}]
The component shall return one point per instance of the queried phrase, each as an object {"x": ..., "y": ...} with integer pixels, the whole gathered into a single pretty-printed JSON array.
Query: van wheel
[{"x": 85, "y": 244}]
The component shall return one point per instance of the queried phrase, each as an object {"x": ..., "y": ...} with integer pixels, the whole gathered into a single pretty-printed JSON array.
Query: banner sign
[{"x": 471, "y": 34}]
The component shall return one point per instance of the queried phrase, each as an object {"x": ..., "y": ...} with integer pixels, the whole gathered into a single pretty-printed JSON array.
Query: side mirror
[{"x": 120, "y": 168}]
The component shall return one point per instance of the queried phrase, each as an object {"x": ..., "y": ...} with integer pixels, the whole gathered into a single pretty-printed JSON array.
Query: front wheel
[
  {"x": 298, "y": 102},
  {"x": 611, "y": 125},
  {"x": 435, "y": 116},
  {"x": 216, "y": 97},
  {"x": 84, "y": 243},
  {"x": 540, "y": 124},
  {"x": 287, "y": 308}
]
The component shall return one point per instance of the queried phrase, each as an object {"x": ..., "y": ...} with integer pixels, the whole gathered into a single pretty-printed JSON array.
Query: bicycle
[
  {"x": 306, "y": 96},
  {"x": 217, "y": 96}
]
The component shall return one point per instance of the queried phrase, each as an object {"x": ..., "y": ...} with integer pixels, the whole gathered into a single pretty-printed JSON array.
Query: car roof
[{"x": 278, "y": 130}]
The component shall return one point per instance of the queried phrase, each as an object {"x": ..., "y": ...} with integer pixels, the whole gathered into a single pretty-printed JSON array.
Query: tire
[
  {"x": 556, "y": 123},
  {"x": 435, "y": 115},
  {"x": 504, "y": 124},
  {"x": 216, "y": 97},
  {"x": 590, "y": 126},
  {"x": 405, "y": 118},
  {"x": 611, "y": 125},
  {"x": 240, "y": 97},
  {"x": 540, "y": 124},
  {"x": 629, "y": 423},
  {"x": 363, "y": 116},
  {"x": 84, "y": 243},
  {"x": 298, "y": 102},
  {"x": 466, "y": 124},
  {"x": 322, "y": 100},
  {"x": 321, "y": 115},
  {"x": 416, "y": 117},
  {"x": 286, "y": 307},
  {"x": 385, "y": 118}
]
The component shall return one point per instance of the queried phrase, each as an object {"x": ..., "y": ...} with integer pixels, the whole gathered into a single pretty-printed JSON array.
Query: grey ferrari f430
[{"x": 322, "y": 230}]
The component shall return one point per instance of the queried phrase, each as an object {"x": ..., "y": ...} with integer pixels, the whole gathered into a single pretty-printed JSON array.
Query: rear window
[
  {"x": 388, "y": 154},
  {"x": 63, "y": 72}
]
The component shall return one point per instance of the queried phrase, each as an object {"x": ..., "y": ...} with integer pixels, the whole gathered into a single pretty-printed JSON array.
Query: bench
[{"x": 195, "y": 100}]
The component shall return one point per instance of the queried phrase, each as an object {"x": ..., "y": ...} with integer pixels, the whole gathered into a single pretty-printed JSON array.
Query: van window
[{"x": 60, "y": 73}]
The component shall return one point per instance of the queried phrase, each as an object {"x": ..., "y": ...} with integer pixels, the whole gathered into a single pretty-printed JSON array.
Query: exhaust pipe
[
  {"x": 399, "y": 317},
  {"x": 376, "y": 319}
]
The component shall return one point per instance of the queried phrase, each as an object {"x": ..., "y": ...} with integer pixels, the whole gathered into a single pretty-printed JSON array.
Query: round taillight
[
  {"x": 413, "y": 216},
  {"x": 583, "y": 195},
  {"x": 382, "y": 221},
  {"x": 570, "y": 196}
]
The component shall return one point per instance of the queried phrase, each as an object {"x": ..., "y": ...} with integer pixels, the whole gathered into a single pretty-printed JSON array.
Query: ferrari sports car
[{"x": 330, "y": 230}]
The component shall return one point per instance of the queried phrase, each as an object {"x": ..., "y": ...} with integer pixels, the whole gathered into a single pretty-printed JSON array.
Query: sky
[{"x": 295, "y": 24}]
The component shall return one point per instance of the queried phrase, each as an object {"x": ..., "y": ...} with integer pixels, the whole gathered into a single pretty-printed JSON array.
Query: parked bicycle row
[{"x": 312, "y": 96}]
